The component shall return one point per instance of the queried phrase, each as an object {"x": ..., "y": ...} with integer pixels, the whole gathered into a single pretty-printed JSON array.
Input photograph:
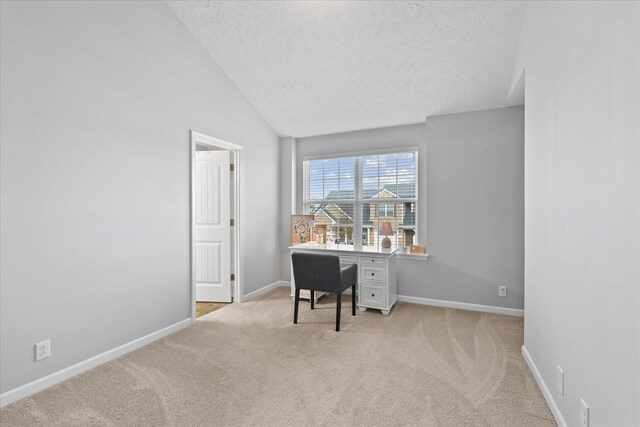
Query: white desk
[{"x": 376, "y": 286}]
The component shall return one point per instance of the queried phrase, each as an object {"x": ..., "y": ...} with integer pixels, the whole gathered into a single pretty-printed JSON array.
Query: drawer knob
[
  {"x": 373, "y": 274},
  {"x": 373, "y": 295}
]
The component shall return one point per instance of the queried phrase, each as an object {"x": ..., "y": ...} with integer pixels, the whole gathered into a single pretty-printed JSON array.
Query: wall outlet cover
[
  {"x": 560, "y": 379},
  {"x": 502, "y": 291},
  {"x": 43, "y": 350},
  {"x": 584, "y": 414}
]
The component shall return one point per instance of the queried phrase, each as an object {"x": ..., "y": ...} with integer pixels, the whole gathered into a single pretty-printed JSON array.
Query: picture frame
[
  {"x": 301, "y": 231},
  {"x": 320, "y": 233}
]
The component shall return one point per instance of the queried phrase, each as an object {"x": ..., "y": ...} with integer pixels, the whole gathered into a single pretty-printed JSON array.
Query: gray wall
[
  {"x": 470, "y": 214},
  {"x": 287, "y": 200},
  {"x": 475, "y": 214},
  {"x": 582, "y": 186},
  {"x": 97, "y": 102}
]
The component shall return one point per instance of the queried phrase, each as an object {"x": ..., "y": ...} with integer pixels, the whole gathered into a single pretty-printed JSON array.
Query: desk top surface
[{"x": 369, "y": 250}]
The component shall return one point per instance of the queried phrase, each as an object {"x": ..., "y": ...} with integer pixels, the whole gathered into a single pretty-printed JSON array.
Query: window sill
[{"x": 415, "y": 257}]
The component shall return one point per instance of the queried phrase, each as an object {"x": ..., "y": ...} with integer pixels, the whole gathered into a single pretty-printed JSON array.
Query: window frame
[{"x": 358, "y": 201}]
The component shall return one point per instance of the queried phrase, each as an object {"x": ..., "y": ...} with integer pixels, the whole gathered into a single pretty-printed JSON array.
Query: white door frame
[{"x": 198, "y": 138}]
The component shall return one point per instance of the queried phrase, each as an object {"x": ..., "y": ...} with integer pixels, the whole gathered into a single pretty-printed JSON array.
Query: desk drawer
[
  {"x": 372, "y": 295},
  {"x": 373, "y": 274},
  {"x": 373, "y": 261}
]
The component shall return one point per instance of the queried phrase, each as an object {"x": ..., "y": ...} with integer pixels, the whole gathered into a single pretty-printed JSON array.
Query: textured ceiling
[{"x": 321, "y": 67}]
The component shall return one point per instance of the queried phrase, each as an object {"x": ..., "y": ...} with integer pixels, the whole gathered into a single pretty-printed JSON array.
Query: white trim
[
  {"x": 50, "y": 380},
  {"x": 238, "y": 293},
  {"x": 265, "y": 289},
  {"x": 294, "y": 176},
  {"x": 409, "y": 149},
  {"x": 238, "y": 286},
  {"x": 202, "y": 138},
  {"x": 357, "y": 204},
  {"x": 414, "y": 257},
  {"x": 555, "y": 410},
  {"x": 463, "y": 305},
  {"x": 357, "y": 200}
]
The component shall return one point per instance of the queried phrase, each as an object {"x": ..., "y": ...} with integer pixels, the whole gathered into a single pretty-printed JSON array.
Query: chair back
[{"x": 316, "y": 272}]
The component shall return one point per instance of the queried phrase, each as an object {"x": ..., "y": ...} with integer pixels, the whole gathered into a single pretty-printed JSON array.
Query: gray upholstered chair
[{"x": 323, "y": 273}]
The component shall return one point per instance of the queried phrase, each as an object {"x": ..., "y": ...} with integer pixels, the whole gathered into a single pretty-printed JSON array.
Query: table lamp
[{"x": 386, "y": 230}]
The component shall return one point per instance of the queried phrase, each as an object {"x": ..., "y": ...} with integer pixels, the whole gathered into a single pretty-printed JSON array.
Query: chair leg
[
  {"x": 353, "y": 300},
  {"x": 313, "y": 296},
  {"x": 338, "y": 301},
  {"x": 295, "y": 306}
]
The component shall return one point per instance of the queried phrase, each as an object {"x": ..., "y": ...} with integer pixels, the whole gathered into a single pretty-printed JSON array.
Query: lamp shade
[{"x": 386, "y": 229}]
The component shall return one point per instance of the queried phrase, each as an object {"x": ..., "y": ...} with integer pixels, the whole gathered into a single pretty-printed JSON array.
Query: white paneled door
[{"x": 212, "y": 226}]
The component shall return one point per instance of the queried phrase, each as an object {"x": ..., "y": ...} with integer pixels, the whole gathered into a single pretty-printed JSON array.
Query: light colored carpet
[{"x": 249, "y": 365}]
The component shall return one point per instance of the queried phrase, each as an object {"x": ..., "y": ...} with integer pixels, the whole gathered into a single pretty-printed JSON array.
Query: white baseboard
[
  {"x": 436, "y": 302},
  {"x": 463, "y": 305},
  {"x": 50, "y": 380},
  {"x": 264, "y": 290},
  {"x": 555, "y": 410}
]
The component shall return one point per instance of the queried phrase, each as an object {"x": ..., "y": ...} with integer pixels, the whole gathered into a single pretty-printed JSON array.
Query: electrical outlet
[
  {"x": 560, "y": 379},
  {"x": 584, "y": 414},
  {"x": 43, "y": 350},
  {"x": 502, "y": 291}
]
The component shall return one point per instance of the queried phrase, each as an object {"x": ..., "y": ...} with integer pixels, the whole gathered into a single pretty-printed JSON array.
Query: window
[
  {"x": 354, "y": 196},
  {"x": 386, "y": 209}
]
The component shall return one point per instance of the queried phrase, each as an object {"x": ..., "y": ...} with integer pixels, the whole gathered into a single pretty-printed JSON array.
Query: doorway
[{"x": 216, "y": 223}]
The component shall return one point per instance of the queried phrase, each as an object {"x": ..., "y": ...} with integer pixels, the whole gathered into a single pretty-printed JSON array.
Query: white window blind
[{"x": 353, "y": 196}]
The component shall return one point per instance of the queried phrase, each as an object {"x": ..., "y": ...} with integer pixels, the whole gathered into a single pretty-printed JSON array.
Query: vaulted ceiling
[{"x": 321, "y": 67}]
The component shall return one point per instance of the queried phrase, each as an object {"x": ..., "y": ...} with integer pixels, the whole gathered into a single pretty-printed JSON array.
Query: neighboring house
[
  {"x": 402, "y": 215},
  {"x": 338, "y": 217}
]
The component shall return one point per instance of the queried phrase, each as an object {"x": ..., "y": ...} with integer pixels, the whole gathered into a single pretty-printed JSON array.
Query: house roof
[
  {"x": 405, "y": 190},
  {"x": 402, "y": 190},
  {"x": 333, "y": 211}
]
